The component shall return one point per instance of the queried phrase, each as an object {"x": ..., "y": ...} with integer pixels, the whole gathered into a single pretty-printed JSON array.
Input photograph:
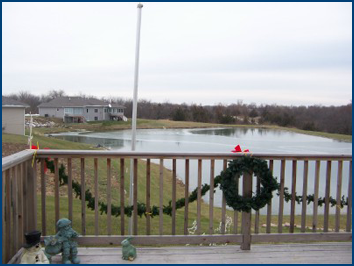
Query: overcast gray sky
[{"x": 283, "y": 53}]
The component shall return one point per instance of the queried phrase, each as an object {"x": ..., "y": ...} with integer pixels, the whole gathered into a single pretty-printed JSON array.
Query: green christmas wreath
[{"x": 229, "y": 184}]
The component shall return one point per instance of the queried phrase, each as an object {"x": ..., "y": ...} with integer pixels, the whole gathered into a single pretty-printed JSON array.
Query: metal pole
[
  {"x": 30, "y": 133},
  {"x": 134, "y": 115}
]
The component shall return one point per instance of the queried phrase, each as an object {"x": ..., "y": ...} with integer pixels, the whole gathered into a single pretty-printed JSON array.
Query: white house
[{"x": 79, "y": 109}]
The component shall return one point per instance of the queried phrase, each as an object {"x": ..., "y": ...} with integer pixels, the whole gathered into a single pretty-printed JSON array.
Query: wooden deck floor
[{"x": 324, "y": 253}]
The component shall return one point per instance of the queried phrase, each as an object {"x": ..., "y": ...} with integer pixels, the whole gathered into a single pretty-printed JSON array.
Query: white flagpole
[
  {"x": 134, "y": 115},
  {"x": 30, "y": 133}
]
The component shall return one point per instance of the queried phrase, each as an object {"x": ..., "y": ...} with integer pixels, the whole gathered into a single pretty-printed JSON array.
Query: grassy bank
[
  {"x": 46, "y": 142},
  {"x": 101, "y": 126}
]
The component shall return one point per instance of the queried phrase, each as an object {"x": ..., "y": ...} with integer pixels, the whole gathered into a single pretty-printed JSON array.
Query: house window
[
  {"x": 105, "y": 110},
  {"x": 57, "y": 109},
  {"x": 96, "y": 110},
  {"x": 86, "y": 110},
  {"x": 78, "y": 111},
  {"x": 96, "y": 118},
  {"x": 68, "y": 110}
]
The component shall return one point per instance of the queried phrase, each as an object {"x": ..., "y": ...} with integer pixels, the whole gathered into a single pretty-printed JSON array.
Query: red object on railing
[
  {"x": 34, "y": 147},
  {"x": 238, "y": 149}
]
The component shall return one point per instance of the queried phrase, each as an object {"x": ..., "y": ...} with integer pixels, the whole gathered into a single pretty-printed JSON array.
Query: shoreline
[{"x": 107, "y": 126}]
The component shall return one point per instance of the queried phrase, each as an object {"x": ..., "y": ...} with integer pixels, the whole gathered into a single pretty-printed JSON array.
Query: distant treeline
[{"x": 331, "y": 119}]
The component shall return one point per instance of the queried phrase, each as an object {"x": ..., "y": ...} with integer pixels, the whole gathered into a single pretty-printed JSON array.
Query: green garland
[
  {"x": 235, "y": 167},
  {"x": 128, "y": 210},
  {"x": 311, "y": 198}
]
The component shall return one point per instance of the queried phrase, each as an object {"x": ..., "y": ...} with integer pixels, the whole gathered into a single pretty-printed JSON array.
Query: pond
[{"x": 224, "y": 140}]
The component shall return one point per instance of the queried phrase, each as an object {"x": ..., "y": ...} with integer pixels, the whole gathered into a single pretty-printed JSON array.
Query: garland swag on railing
[{"x": 154, "y": 210}]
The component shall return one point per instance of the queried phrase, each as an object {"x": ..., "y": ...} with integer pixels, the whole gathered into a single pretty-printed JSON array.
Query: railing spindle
[
  {"x": 304, "y": 196},
  {"x": 328, "y": 191},
  {"x": 43, "y": 197},
  {"x": 315, "y": 199},
  {"x": 3, "y": 219},
  {"x": 83, "y": 203},
  {"x": 199, "y": 197},
  {"x": 25, "y": 196},
  {"x": 236, "y": 212},
  {"x": 122, "y": 214},
  {"x": 186, "y": 197},
  {"x": 211, "y": 197},
  {"x": 20, "y": 203},
  {"x": 148, "y": 195},
  {"x": 109, "y": 197},
  {"x": 293, "y": 192},
  {"x": 56, "y": 190},
  {"x": 161, "y": 199},
  {"x": 32, "y": 195},
  {"x": 14, "y": 211},
  {"x": 70, "y": 190},
  {"x": 269, "y": 205},
  {"x": 8, "y": 223},
  {"x": 174, "y": 188},
  {"x": 246, "y": 216},
  {"x": 256, "y": 222},
  {"x": 281, "y": 196},
  {"x": 339, "y": 192},
  {"x": 223, "y": 205},
  {"x": 349, "y": 207},
  {"x": 95, "y": 166},
  {"x": 135, "y": 204}
]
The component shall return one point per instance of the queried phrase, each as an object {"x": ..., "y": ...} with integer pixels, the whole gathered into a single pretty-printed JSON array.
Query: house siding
[
  {"x": 51, "y": 112},
  {"x": 90, "y": 115},
  {"x": 13, "y": 120}
]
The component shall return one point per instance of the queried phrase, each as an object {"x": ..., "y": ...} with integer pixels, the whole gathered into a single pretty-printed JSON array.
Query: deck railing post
[
  {"x": 31, "y": 195},
  {"x": 246, "y": 216}
]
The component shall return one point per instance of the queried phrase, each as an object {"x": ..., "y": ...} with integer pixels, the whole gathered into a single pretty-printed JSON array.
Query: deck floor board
[{"x": 315, "y": 253}]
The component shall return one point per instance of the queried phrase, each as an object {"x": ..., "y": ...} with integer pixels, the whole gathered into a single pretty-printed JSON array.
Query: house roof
[
  {"x": 8, "y": 102},
  {"x": 69, "y": 101}
]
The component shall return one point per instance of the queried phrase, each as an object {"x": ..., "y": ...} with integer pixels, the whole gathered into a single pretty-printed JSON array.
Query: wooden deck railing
[{"x": 20, "y": 191}]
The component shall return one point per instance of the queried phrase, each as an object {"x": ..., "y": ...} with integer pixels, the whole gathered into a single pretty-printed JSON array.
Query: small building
[
  {"x": 13, "y": 116},
  {"x": 80, "y": 109}
]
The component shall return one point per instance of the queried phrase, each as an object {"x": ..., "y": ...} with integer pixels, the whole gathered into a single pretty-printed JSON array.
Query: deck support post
[
  {"x": 246, "y": 216},
  {"x": 31, "y": 195}
]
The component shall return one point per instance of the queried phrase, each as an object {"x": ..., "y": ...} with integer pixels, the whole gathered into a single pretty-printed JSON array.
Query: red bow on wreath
[{"x": 238, "y": 149}]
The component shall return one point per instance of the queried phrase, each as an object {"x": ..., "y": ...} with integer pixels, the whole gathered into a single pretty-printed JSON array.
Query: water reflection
[{"x": 242, "y": 132}]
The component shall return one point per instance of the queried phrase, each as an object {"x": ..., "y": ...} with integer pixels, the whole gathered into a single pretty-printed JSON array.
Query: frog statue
[
  {"x": 63, "y": 243},
  {"x": 128, "y": 250}
]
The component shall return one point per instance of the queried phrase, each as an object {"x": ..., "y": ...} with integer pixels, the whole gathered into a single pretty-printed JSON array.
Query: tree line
[{"x": 331, "y": 119}]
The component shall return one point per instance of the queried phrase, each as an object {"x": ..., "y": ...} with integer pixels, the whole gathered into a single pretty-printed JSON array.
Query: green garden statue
[
  {"x": 128, "y": 250},
  {"x": 63, "y": 243}
]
